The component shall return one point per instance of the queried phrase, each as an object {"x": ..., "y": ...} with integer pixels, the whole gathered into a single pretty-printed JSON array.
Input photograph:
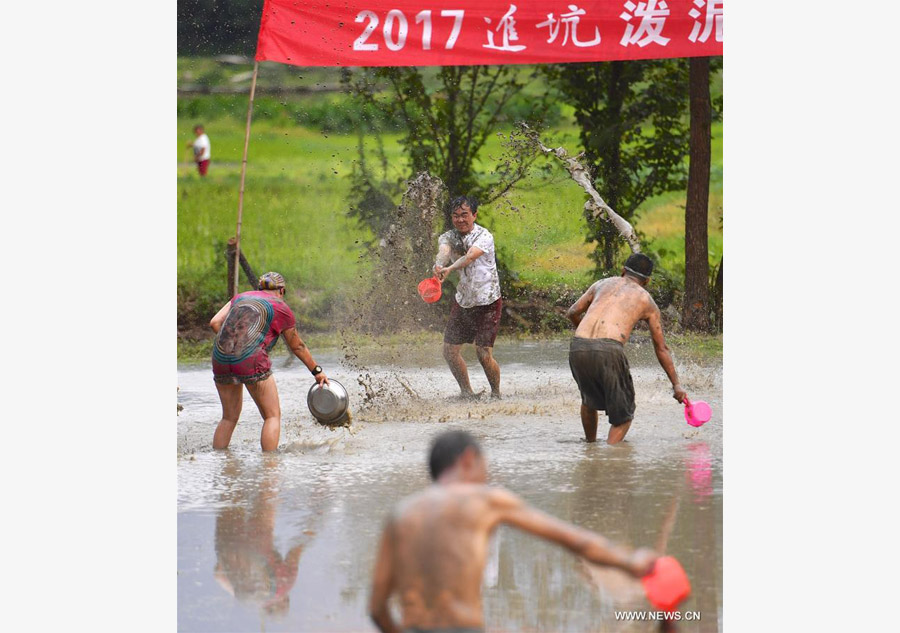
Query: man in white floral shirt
[{"x": 475, "y": 310}]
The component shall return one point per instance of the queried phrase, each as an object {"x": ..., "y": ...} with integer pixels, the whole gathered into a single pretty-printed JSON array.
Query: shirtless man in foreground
[
  {"x": 435, "y": 543},
  {"x": 604, "y": 317}
]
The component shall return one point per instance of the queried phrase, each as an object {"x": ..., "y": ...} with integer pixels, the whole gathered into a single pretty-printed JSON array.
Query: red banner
[{"x": 467, "y": 32}]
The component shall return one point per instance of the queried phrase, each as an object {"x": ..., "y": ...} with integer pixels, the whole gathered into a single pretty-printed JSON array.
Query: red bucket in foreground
[
  {"x": 667, "y": 585},
  {"x": 430, "y": 289}
]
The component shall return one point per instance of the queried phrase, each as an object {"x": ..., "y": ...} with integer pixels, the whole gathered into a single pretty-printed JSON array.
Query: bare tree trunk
[
  {"x": 612, "y": 179},
  {"x": 232, "y": 270},
  {"x": 717, "y": 299},
  {"x": 252, "y": 278},
  {"x": 695, "y": 312}
]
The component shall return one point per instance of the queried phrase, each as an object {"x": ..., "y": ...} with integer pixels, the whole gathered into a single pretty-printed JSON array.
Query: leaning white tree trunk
[{"x": 596, "y": 206}]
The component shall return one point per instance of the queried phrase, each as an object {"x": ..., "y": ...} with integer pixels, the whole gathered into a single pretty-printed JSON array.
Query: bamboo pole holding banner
[{"x": 237, "y": 235}]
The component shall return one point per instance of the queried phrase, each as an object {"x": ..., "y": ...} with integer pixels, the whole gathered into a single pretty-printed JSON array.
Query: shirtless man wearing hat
[
  {"x": 246, "y": 328},
  {"x": 604, "y": 317}
]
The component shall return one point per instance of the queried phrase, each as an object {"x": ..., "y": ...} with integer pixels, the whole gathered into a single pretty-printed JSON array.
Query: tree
[
  {"x": 717, "y": 292},
  {"x": 632, "y": 119},
  {"x": 695, "y": 310},
  {"x": 699, "y": 292},
  {"x": 448, "y": 115}
]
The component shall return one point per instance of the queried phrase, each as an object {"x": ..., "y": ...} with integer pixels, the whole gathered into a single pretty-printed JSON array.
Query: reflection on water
[
  {"x": 286, "y": 542},
  {"x": 699, "y": 470},
  {"x": 248, "y": 565}
]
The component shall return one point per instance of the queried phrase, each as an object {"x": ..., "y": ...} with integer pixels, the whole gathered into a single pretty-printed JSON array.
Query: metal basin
[{"x": 328, "y": 403}]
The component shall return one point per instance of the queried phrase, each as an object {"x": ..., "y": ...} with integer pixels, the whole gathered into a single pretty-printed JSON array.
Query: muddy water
[{"x": 286, "y": 542}]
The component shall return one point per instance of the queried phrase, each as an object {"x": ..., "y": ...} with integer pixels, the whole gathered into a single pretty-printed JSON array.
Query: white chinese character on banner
[
  {"x": 653, "y": 16},
  {"x": 570, "y": 19},
  {"x": 508, "y": 24},
  {"x": 713, "y": 17}
]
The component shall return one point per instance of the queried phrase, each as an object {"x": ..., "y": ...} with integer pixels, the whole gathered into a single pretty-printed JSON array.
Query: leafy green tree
[
  {"x": 448, "y": 114},
  {"x": 632, "y": 116}
]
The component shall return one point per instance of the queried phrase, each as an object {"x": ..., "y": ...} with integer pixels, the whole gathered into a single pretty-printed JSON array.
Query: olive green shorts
[{"x": 600, "y": 368}]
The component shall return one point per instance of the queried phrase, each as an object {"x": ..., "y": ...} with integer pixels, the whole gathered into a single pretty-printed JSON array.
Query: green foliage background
[{"x": 296, "y": 218}]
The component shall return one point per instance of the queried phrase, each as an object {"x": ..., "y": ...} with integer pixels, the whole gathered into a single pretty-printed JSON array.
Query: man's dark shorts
[
  {"x": 601, "y": 370},
  {"x": 478, "y": 324}
]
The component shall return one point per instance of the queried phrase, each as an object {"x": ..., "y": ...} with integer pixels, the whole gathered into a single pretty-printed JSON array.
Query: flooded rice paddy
[{"x": 286, "y": 541}]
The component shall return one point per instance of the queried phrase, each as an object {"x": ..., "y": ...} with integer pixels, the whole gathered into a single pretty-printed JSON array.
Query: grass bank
[
  {"x": 703, "y": 349},
  {"x": 296, "y": 217}
]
